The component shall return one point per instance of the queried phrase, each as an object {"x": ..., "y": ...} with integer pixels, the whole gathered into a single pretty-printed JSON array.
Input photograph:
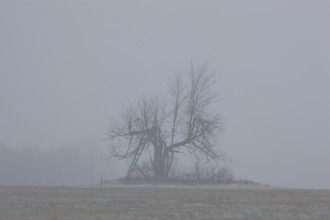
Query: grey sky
[{"x": 67, "y": 67}]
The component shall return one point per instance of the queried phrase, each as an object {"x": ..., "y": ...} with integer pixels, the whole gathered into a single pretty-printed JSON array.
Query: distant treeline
[{"x": 60, "y": 166}]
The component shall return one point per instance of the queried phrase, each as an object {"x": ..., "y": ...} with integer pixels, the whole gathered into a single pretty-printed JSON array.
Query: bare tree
[{"x": 182, "y": 123}]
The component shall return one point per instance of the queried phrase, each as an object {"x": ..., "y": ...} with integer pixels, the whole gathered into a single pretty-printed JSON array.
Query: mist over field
[
  {"x": 82, "y": 165},
  {"x": 67, "y": 68}
]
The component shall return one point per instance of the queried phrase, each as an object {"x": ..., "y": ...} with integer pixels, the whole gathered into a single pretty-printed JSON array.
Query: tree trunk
[
  {"x": 159, "y": 162},
  {"x": 168, "y": 163}
]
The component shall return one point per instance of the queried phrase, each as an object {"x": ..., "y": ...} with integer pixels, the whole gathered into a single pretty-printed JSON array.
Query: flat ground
[{"x": 151, "y": 202}]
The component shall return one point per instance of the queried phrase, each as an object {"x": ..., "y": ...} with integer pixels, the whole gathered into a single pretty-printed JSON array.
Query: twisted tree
[{"x": 164, "y": 127}]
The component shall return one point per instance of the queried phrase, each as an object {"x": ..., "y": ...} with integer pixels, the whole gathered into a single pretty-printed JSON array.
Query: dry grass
[{"x": 162, "y": 203}]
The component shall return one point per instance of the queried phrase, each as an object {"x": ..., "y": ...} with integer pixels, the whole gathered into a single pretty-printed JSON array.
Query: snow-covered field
[{"x": 166, "y": 202}]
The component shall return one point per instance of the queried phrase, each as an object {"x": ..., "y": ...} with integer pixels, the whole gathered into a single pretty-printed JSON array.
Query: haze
[{"x": 68, "y": 67}]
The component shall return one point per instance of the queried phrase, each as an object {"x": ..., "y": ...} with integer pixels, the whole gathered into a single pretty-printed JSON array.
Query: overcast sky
[{"x": 67, "y": 68}]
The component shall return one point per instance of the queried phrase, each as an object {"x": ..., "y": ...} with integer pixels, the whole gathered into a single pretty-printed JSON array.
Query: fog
[{"x": 68, "y": 67}]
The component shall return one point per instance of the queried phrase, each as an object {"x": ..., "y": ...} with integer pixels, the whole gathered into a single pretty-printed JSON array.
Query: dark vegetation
[{"x": 191, "y": 177}]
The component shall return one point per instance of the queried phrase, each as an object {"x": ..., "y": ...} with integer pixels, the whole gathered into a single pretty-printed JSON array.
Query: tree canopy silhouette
[{"x": 164, "y": 126}]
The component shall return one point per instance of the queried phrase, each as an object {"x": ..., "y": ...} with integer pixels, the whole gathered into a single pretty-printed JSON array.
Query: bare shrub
[{"x": 204, "y": 174}]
